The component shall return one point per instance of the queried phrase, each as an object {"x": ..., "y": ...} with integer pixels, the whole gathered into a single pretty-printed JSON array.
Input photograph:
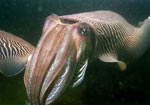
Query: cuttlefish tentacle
[
  {"x": 69, "y": 41},
  {"x": 14, "y": 54}
]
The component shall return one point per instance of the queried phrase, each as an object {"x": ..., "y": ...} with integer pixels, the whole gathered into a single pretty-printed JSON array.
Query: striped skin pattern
[
  {"x": 69, "y": 41},
  {"x": 116, "y": 39},
  {"x": 10, "y": 48},
  {"x": 14, "y": 53}
]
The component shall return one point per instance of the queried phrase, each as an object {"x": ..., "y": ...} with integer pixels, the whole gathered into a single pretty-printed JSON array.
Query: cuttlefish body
[
  {"x": 68, "y": 42},
  {"x": 14, "y": 54}
]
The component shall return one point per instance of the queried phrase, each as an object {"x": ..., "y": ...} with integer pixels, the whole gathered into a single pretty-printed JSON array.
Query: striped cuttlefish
[
  {"x": 14, "y": 54},
  {"x": 69, "y": 41}
]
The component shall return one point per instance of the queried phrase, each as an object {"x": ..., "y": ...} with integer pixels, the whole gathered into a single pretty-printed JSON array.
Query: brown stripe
[
  {"x": 44, "y": 62},
  {"x": 62, "y": 59}
]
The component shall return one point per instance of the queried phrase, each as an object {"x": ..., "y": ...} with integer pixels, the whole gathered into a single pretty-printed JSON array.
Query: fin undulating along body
[
  {"x": 68, "y": 42},
  {"x": 116, "y": 39},
  {"x": 14, "y": 53}
]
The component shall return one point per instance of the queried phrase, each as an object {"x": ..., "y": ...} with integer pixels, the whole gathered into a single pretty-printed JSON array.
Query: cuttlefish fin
[
  {"x": 12, "y": 67},
  {"x": 113, "y": 58},
  {"x": 140, "y": 23},
  {"x": 143, "y": 22},
  {"x": 81, "y": 74},
  {"x": 122, "y": 65}
]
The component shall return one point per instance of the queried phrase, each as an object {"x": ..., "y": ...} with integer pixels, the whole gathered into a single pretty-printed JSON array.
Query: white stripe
[{"x": 6, "y": 49}]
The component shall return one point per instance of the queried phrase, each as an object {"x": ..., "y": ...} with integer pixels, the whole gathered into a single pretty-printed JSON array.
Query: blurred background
[{"x": 104, "y": 83}]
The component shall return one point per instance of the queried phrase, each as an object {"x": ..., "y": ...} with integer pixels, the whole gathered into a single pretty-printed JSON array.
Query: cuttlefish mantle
[{"x": 116, "y": 39}]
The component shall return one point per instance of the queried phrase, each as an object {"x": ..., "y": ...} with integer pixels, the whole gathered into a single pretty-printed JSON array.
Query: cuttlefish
[
  {"x": 68, "y": 42},
  {"x": 14, "y": 54}
]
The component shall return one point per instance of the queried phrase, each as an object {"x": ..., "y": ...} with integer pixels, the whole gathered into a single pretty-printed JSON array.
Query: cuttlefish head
[{"x": 63, "y": 50}]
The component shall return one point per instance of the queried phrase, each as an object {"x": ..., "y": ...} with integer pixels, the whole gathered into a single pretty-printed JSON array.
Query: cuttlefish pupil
[
  {"x": 61, "y": 50},
  {"x": 84, "y": 29},
  {"x": 69, "y": 41}
]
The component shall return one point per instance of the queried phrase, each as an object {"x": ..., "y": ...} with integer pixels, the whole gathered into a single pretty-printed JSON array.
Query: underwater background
[{"x": 104, "y": 83}]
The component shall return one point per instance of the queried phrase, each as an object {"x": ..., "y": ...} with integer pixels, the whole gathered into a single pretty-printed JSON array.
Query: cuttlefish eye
[{"x": 84, "y": 29}]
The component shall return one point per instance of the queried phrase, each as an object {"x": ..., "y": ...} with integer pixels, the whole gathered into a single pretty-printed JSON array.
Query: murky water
[{"x": 104, "y": 84}]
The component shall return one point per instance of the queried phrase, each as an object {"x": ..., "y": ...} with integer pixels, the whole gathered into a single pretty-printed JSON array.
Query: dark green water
[{"x": 104, "y": 84}]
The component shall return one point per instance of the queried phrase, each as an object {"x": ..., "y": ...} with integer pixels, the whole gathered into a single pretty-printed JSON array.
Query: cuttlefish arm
[
  {"x": 68, "y": 42},
  {"x": 14, "y": 54},
  {"x": 56, "y": 58}
]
